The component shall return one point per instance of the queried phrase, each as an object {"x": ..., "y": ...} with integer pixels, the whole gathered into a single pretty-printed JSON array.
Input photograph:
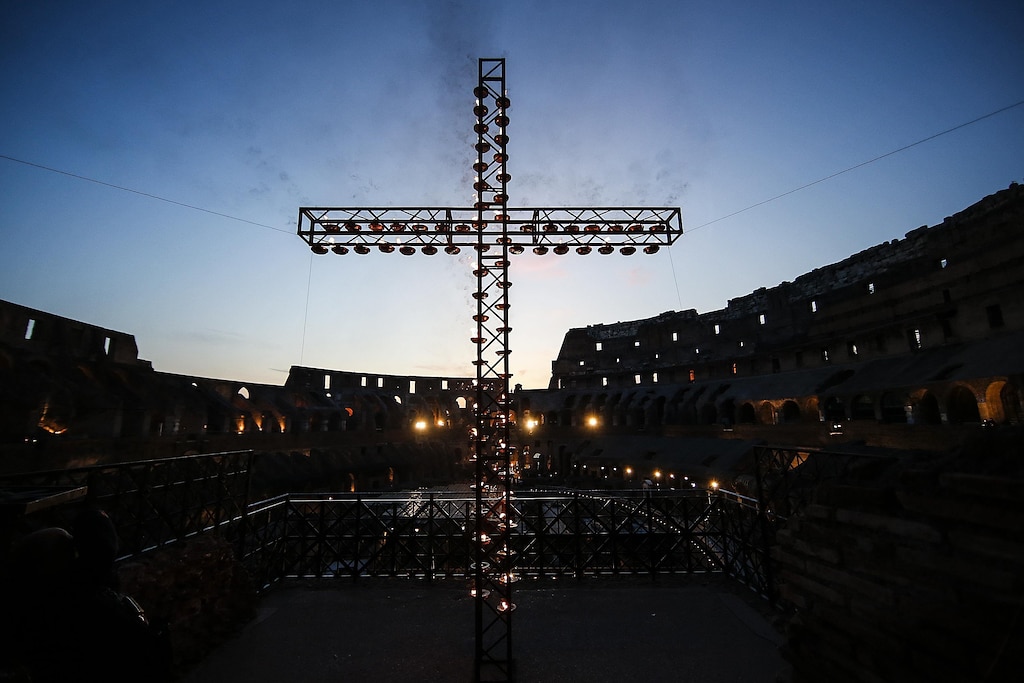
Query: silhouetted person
[{"x": 77, "y": 625}]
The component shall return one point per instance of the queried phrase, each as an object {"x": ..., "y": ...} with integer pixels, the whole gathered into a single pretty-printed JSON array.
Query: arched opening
[
  {"x": 746, "y": 414},
  {"x": 790, "y": 412},
  {"x": 834, "y": 409},
  {"x": 927, "y": 410},
  {"x": 994, "y": 402},
  {"x": 766, "y": 413},
  {"x": 727, "y": 412},
  {"x": 1009, "y": 398},
  {"x": 863, "y": 408},
  {"x": 962, "y": 407},
  {"x": 893, "y": 410}
]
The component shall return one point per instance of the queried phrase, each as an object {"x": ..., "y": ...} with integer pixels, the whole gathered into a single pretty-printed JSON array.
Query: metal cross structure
[{"x": 496, "y": 232}]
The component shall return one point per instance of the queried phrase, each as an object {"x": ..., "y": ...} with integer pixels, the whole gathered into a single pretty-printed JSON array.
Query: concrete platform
[{"x": 695, "y": 629}]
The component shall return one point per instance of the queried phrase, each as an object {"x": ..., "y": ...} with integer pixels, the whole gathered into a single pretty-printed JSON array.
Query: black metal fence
[
  {"x": 152, "y": 502},
  {"x": 429, "y": 535}
]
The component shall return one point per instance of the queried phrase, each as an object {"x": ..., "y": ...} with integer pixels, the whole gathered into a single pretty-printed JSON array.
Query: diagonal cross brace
[{"x": 495, "y": 231}]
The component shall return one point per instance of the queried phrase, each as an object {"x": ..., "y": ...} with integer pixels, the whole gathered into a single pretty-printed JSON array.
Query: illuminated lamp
[
  {"x": 462, "y": 227},
  {"x": 504, "y": 284},
  {"x": 503, "y": 306},
  {"x": 550, "y": 227},
  {"x": 319, "y": 249},
  {"x": 480, "y": 110},
  {"x": 361, "y": 249},
  {"x": 540, "y": 250},
  {"x": 377, "y": 226},
  {"x": 481, "y": 206},
  {"x": 480, "y": 272},
  {"x": 636, "y": 227},
  {"x": 419, "y": 227},
  {"x": 386, "y": 248},
  {"x": 339, "y": 249},
  {"x": 528, "y": 227},
  {"x": 614, "y": 227},
  {"x": 398, "y": 227},
  {"x": 440, "y": 227},
  {"x": 500, "y": 198},
  {"x": 481, "y": 185},
  {"x": 583, "y": 251},
  {"x": 352, "y": 226},
  {"x": 482, "y": 247},
  {"x": 503, "y": 330},
  {"x": 503, "y": 352},
  {"x": 627, "y": 251},
  {"x": 481, "y": 318},
  {"x": 651, "y": 249},
  {"x": 592, "y": 228},
  {"x": 504, "y": 240},
  {"x": 452, "y": 249},
  {"x": 407, "y": 250},
  {"x": 501, "y": 139},
  {"x": 480, "y": 166},
  {"x": 479, "y": 295},
  {"x": 482, "y": 147},
  {"x": 480, "y": 128},
  {"x": 479, "y": 225},
  {"x": 561, "y": 249},
  {"x": 656, "y": 227},
  {"x": 501, "y": 120},
  {"x": 477, "y": 340},
  {"x": 503, "y": 177},
  {"x": 572, "y": 228},
  {"x": 501, "y": 264},
  {"x": 517, "y": 249},
  {"x": 502, "y": 217},
  {"x": 481, "y": 92},
  {"x": 429, "y": 250},
  {"x": 503, "y": 102},
  {"x": 605, "y": 249},
  {"x": 500, "y": 158},
  {"x": 331, "y": 227}
]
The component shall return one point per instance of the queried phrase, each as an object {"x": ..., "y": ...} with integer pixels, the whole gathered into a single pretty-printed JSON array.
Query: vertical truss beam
[{"x": 492, "y": 576}]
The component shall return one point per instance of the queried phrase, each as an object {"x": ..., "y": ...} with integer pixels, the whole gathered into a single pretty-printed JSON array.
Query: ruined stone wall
[{"x": 912, "y": 574}]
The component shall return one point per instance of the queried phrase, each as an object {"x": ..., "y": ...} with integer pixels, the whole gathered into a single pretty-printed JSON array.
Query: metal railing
[{"x": 429, "y": 536}]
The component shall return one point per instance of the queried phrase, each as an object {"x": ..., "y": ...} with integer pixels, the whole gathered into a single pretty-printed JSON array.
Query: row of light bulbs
[{"x": 451, "y": 249}]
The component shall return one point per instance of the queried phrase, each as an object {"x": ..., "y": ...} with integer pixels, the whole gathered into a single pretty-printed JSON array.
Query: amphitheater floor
[{"x": 699, "y": 630}]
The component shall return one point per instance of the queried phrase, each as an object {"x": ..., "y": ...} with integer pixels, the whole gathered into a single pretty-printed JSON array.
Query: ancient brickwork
[{"x": 916, "y": 574}]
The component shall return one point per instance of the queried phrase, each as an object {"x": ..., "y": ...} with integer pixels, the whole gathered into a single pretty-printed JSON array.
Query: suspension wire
[
  {"x": 143, "y": 194},
  {"x": 305, "y": 315},
  {"x": 862, "y": 164}
]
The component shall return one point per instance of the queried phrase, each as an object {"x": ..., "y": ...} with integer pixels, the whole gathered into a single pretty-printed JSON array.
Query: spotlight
[
  {"x": 627, "y": 251},
  {"x": 319, "y": 249},
  {"x": 540, "y": 250},
  {"x": 592, "y": 228},
  {"x": 398, "y": 227},
  {"x": 377, "y": 226},
  {"x": 331, "y": 227},
  {"x": 480, "y": 110},
  {"x": 583, "y": 251},
  {"x": 419, "y": 227},
  {"x": 386, "y": 248},
  {"x": 452, "y": 249},
  {"x": 361, "y": 249},
  {"x": 651, "y": 249},
  {"x": 561, "y": 249},
  {"x": 605, "y": 249},
  {"x": 352, "y": 226},
  {"x": 339, "y": 249},
  {"x": 517, "y": 249},
  {"x": 407, "y": 250},
  {"x": 429, "y": 250}
]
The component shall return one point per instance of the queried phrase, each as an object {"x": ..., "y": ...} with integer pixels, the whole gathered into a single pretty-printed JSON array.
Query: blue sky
[{"x": 248, "y": 110}]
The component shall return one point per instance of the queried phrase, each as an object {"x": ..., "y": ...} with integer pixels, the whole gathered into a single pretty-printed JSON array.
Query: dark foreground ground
[{"x": 699, "y": 630}]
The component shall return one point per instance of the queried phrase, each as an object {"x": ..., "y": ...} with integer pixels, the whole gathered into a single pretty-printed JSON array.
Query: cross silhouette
[{"x": 496, "y": 232}]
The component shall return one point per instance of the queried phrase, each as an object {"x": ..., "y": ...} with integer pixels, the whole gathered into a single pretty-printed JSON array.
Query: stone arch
[
  {"x": 994, "y": 406},
  {"x": 766, "y": 413},
  {"x": 746, "y": 414},
  {"x": 1009, "y": 398},
  {"x": 727, "y": 412},
  {"x": 862, "y": 408},
  {"x": 790, "y": 412},
  {"x": 962, "y": 406}
]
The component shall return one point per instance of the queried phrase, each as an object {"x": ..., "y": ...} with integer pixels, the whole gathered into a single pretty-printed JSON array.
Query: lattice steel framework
[{"x": 495, "y": 231}]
